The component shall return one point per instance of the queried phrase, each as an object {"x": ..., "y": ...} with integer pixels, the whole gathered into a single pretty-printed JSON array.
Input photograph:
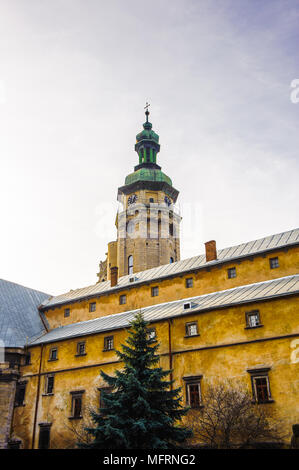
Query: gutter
[{"x": 37, "y": 398}]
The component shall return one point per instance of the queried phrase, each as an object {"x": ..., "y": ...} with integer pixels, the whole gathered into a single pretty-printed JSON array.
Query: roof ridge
[{"x": 24, "y": 287}]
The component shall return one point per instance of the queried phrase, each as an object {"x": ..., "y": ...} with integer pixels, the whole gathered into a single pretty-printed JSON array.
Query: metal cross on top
[{"x": 147, "y": 111}]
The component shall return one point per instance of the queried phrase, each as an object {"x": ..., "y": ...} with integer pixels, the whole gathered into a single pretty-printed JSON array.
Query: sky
[{"x": 74, "y": 79}]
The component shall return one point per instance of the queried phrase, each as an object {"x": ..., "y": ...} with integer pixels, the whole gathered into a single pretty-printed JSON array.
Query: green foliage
[{"x": 142, "y": 412}]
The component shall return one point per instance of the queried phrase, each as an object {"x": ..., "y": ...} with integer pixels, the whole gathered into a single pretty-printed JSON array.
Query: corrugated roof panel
[
  {"x": 275, "y": 241},
  {"x": 257, "y": 291},
  {"x": 294, "y": 236},
  {"x": 262, "y": 244},
  {"x": 19, "y": 316}
]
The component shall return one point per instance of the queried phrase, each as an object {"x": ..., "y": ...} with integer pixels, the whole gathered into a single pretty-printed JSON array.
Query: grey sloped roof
[
  {"x": 19, "y": 317},
  {"x": 256, "y": 246},
  {"x": 249, "y": 293}
]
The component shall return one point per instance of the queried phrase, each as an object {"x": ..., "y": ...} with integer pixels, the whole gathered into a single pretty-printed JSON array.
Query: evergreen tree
[{"x": 142, "y": 412}]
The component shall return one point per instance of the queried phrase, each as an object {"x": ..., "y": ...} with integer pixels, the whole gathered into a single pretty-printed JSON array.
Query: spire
[
  {"x": 147, "y": 111},
  {"x": 147, "y": 143}
]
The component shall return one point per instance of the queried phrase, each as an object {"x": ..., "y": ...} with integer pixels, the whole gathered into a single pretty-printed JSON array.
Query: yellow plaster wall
[
  {"x": 217, "y": 358},
  {"x": 205, "y": 281}
]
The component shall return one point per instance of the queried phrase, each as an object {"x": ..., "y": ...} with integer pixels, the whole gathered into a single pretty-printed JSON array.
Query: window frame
[
  {"x": 106, "y": 342},
  {"x": 44, "y": 427},
  {"x": 189, "y": 381},
  {"x": 55, "y": 348},
  {"x": 149, "y": 331},
  {"x": 67, "y": 312},
  {"x": 92, "y": 307},
  {"x": 49, "y": 376},
  {"x": 274, "y": 262},
  {"x": 232, "y": 272},
  {"x": 20, "y": 393},
  {"x": 79, "y": 344},
  {"x": 122, "y": 299},
  {"x": 188, "y": 325},
  {"x": 155, "y": 291},
  {"x": 189, "y": 280},
  {"x": 76, "y": 394},
  {"x": 255, "y": 374},
  {"x": 247, "y": 317}
]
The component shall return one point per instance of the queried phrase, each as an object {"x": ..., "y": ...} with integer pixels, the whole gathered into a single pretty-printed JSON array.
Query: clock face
[
  {"x": 132, "y": 199},
  {"x": 167, "y": 200}
]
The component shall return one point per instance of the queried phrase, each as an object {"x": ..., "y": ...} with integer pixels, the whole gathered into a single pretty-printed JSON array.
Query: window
[
  {"x": 231, "y": 273},
  {"x": 191, "y": 329},
  {"x": 193, "y": 391},
  {"x": 122, "y": 299},
  {"x": 151, "y": 199},
  {"x": 171, "y": 230},
  {"x": 187, "y": 305},
  {"x": 189, "y": 282},
  {"x": 28, "y": 359},
  {"x": 92, "y": 306},
  {"x": 253, "y": 319},
  {"x": 155, "y": 291},
  {"x": 274, "y": 263},
  {"x": 77, "y": 398},
  {"x": 260, "y": 385},
  {"x": 151, "y": 333},
  {"x": 20, "y": 393},
  {"x": 81, "y": 350},
  {"x": 44, "y": 436},
  {"x": 106, "y": 390},
  {"x": 108, "y": 343},
  {"x": 53, "y": 354},
  {"x": 49, "y": 384},
  {"x": 130, "y": 264},
  {"x": 67, "y": 312},
  {"x": 171, "y": 260}
]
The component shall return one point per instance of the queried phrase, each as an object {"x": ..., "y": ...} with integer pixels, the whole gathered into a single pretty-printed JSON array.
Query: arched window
[
  {"x": 171, "y": 259},
  {"x": 130, "y": 264}
]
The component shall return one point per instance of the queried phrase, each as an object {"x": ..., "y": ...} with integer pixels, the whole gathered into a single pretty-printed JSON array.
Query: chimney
[
  {"x": 114, "y": 276},
  {"x": 211, "y": 252}
]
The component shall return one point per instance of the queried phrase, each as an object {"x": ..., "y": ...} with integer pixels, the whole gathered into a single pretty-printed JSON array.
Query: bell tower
[{"x": 148, "y": 221}]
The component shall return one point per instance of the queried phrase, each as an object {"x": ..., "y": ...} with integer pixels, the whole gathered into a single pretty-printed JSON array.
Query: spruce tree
[{"x": 142, "y": 412}]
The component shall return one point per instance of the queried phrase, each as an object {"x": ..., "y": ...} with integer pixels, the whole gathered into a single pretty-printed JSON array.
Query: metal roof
[
  {"x": 19, "y": 316},
  {"x": 245, "y": 249},
  {"x": 249, "y": 293}
]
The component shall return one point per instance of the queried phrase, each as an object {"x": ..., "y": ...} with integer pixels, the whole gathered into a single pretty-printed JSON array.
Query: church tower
[{"x": 148, "y": 221}]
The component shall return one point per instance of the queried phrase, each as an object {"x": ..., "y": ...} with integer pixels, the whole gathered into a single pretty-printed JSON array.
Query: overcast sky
[{"x": 74, "y": 78}]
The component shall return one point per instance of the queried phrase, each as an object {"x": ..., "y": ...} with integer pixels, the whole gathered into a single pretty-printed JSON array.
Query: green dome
[{"x": 147, "y": 174}]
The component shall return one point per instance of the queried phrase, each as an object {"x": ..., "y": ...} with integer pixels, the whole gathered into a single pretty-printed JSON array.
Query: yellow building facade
[{"x": 225, "y": 314}]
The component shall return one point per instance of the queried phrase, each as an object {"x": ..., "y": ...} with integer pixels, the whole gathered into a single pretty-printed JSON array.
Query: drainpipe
[
  {"x": 170, "y": 351},
  {"x": 37, "y": 397}
]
